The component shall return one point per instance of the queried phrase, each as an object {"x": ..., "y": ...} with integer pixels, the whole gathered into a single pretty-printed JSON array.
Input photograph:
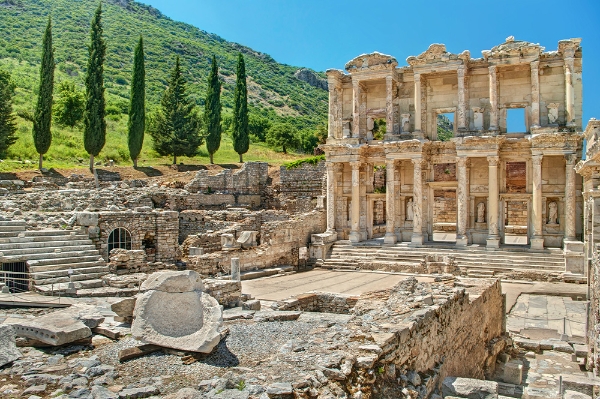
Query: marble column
[
  {"x": 569, "y": 91},
  {"x": 417, "y": 236},
  {"x": 462, "y": 106},
  {"x": 537, "y": 241},
  {"x": 493, "y": 98},
  {"x": 570, "y": 197},
  {"x": 417, "y": 77},
  {"x": 355, "y": 235},
  {"x": 535, "y": 93},
  {"x": 389, "y": 105},
  {"x": 390, "y": 202},
  {"x": 356, "y": 97},
  {"x": 462, "y": 202},
  {"x": 331, "y": 117},
  {"x": 331, "y": 188},
  {"x": 493, "y": 239}
]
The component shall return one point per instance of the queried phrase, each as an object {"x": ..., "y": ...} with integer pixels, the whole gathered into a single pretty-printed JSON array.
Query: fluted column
[
  {"x": 417, "y": 236},
  {"x": 331, "y": 116},
  {"x": 569, "y": 91},
  {"x": 493, "y": 239},
  {"x": 462, "y": 202},
  {"x": 537, "y": 241},
  {"x": 389, "y": 105},
  {"x": 493, "y": 98},
  {"x": 355, "y": 230},
  {"x": 331, "y": 187},
  {"x": 356, "y": 96},
  {"x": 390, "y": 202},
  {"x": 535, "y": 93},
  {"x": 461, "y": 110},
  {"x": 570, "y": 197},
  {"x": 417, "y": 77}
]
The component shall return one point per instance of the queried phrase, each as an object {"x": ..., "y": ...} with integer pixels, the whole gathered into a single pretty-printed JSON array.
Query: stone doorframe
[
  {"x": 431, "y": 187},
  {"x": 504, "y": 198},
  {"x": 371, "y": 198}
]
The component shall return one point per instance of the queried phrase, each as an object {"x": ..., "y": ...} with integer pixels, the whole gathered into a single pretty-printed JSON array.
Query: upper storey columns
[
  {"x": 417, "y": 77},
  {"x": 493, "y": 97},
  {"x": 570, "y": 90},
  {"x": 356, "y": 99},
  {"x": 535, "y": 93},
  {"x": 461, "y": 110}
]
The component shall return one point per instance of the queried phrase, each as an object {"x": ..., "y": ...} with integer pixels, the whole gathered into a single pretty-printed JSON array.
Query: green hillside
[{"x": 274, "y": 91}]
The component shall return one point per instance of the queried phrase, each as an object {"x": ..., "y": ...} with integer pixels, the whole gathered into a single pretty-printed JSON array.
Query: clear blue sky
[{"x": 322, "y": 34}]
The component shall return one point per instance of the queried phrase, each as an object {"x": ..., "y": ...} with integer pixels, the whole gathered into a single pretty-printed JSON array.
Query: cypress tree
[
  {"x": 241, "y": 142},
  {"x": 137, "y": 107},
  {"x": 176, "y": 128},
  {"x": 42, "y": 117},
  {"x": 8, "y": 126},
  {"x": 94, "y": 125},
  {"x": 212, "y": 110}
]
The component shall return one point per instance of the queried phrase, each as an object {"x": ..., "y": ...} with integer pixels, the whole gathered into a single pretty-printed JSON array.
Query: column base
[
  {"x": 537, "y": 243},
  {"x": 354, "y": 237},
  {"x": 462, "y": 241},
  {"x": 492, "y": 243},
  {"x": 390, "y": 239},
  {"x": 416, "y": 240},
  {"x": 574, "y": 256}
]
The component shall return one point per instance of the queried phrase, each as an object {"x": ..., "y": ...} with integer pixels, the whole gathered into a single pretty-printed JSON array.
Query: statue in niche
[
  {"x": 552, "y": 213},
  {"x": 405, "y": 123},
  {"x": 481, "y": 212},
  {"x": 409, "y": 209}
]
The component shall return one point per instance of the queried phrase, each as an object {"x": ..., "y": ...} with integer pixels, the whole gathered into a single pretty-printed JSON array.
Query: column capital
[
  {"x": 355, "y": 165},
  {"x": 417, "y": 76},
  {"x": 537, "y": 159},
  {"x": 571, "y": 159},
  {"x": 417, "y": 162},
  {"x": 534, "y": 65},
  {"x": 462, "y": 161},
  {"x": 461, "y": 71},
  {"x": 389, "y": 79},
  {"x": 390, "y": 163},
  {"x": 492, "y": 68},
  {"x": 493, "y": 160}
]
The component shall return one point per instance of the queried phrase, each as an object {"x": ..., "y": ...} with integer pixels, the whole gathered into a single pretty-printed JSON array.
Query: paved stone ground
[{"x": 559, "y": 313}]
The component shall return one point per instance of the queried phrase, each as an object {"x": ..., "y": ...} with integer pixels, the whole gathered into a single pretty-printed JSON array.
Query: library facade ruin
[{"x": 455, "y": 168}]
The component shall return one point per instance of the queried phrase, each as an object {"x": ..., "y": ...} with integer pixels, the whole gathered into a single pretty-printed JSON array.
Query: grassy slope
[{"x": 273, "y": 90}]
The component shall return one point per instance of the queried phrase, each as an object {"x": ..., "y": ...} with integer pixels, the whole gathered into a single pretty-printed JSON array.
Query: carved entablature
[
  {"x": 334, "y": 76},
  {"x": 569, "y": 48},
  {"x": 557, "y": 143},
  {"x": 437, "y": 53},
  {"x": 512, "y": 49},
  {"x": 439, "y": 149},
  {"x": 403, "y": 147},
  {"x": 591, "y": 134},
  {"x": 479, "y": 144},
  {"x": 370, "y": 62}
]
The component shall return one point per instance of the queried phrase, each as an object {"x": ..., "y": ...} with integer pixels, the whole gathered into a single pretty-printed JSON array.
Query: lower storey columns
[
  {"x": 462, "y": 201},
  {"x": 537, "y": 240},
  {"x": 390, "y": 194},
  {"x": 493, "y": 239},
  {"x": 417, "y": 236},
  {"x": 355, "y": 235}
]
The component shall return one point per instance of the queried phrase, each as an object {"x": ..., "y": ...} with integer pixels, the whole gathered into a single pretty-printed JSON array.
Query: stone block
[
  {"x": 580, "y": 350},
  {"x": 176, "y": 314},
  {"x": 469, "y": 388},
  {"x": 8, "y": 347},
  {"x": 251, "y": 305},
  {"x": 527, "y": 344},
  {"x": 513, "y": 373},
  {"x": 87, "y": 219},
  {"x": 568, "y": 394},
  {"x": 124, "y": 307}
]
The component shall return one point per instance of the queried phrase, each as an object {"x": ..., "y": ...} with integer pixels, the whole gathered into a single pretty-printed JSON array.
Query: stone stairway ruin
[
  {"x": 474, "y": 261},
  {"x": 47, "y": 256}
]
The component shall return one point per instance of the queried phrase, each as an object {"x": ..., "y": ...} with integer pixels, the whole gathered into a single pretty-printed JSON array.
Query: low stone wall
[
  {"x": 306, "y": 180},
  {"x": 319, "y": 302},
  {"x": 228, "y": 293},
  {"x": 123, "y": 261},
  {"x": 250, "y": 179}
]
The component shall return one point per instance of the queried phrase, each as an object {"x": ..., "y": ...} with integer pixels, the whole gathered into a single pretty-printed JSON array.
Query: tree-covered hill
[{"x": 273, "y": 89}]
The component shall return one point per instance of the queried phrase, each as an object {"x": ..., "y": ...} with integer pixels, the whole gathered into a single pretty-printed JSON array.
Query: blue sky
[{"x": 322, "y": 34}]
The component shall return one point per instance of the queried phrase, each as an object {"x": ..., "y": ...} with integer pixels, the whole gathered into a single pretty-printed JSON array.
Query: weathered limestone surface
[
  {"x": 470, "y": 388},
  {"x": 8, "y": 347},
  {"x": 175, "y": 313}
]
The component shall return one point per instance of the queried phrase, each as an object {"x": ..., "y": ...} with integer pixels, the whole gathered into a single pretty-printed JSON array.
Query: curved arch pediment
[{"x": 371, "y": 61}]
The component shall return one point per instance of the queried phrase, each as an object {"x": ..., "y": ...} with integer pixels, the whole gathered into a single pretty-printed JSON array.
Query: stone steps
[
  {"x": 476, "y": 261},
  {"x": 50, "y": 254},
  {"x": 61, "y": 288}
]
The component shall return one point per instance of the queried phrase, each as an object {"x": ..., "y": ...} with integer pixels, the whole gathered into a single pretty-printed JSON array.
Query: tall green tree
[
  {"x": 212, "y": 111},
  {"x": 8, "y": 126},
  {"x": 137, "y": 108},
  {"x": 241, "y": 141},
  {"x": 94, "y": 124},
  {"x": 176, "y": 127},
  {"x": 69, "y": 106},
  {"x": 42, "y": 117}
]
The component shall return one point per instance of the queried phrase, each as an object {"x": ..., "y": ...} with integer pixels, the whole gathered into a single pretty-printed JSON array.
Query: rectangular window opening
[
  {"x": 515, "y": 120},
  {"x": 445, "y": 126}
]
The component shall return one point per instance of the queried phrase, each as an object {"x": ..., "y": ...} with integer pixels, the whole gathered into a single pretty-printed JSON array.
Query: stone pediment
[
  {"x": 373, "y": 61},
  {"x": 436, "y": 53},
  {"x": 556, "y": 141},
  {"x": 512, "y": 47}
]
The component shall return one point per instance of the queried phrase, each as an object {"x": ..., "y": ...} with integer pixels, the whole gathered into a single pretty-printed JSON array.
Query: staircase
[
  {"x": 476, "y": 261},
  {"x": 50, "y": 254}
]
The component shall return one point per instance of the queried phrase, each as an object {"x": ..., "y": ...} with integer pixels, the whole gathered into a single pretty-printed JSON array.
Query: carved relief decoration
[{"x": 373, "y": 61}]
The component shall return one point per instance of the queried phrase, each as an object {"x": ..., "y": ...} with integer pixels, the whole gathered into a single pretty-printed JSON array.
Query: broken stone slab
[
  {"x": 580, "y": 384},
  {"x": 137, "y": 351},
  {"x": 279, "y": 389},
  {"x": 8, "y": 346},
  {"x": 54, "y": 329},
  {"x": 124, "y": 308},
  {"x": 248, "y": 239},
  {"x": 175, "y": 313},
  {"x": 237, "y": 313},
  {"x": 251, "y": 305},
  {"x": 280, "y": 315},
  {"x": 527, "y": 344},
  {"x": 469, "y": 388},
  {"x": 562, "y": 347},
  {"x": 568, "y": 394},
  {"x": 539, "y": 393},
  {"x": 135, "y": 393},
  {"x": 100, "y": 392}
]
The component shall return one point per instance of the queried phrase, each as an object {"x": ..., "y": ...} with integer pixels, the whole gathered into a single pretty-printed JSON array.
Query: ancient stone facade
[{"x": 485, "y": 184}]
